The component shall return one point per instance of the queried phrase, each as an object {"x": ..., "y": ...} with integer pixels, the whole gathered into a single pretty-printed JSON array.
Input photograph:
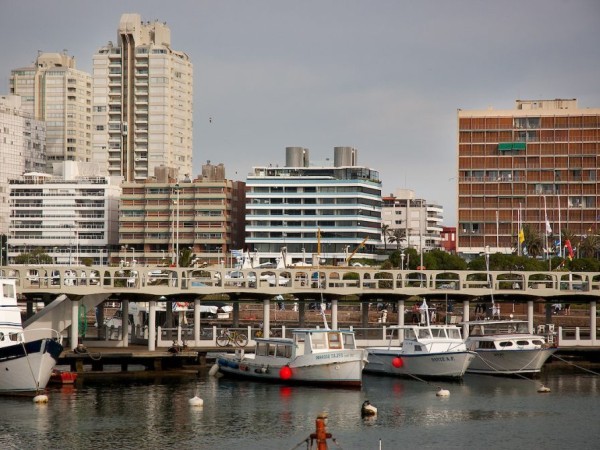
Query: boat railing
[{"x": 37, "y": 333}]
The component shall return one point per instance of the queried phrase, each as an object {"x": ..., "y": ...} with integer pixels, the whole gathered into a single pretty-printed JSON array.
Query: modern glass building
[{"x": 330, "y": 210}]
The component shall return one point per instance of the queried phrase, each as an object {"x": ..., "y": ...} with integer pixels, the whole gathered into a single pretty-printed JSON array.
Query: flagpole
[
  {"x": 519, "y": 231},
  {"x": 559, "y": 230}
]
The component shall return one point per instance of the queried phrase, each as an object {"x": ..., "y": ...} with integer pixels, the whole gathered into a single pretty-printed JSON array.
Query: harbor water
[{"x": 128, "y": 412}]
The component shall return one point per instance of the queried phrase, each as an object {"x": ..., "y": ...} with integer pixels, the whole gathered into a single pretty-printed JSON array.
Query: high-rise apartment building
[
  {"x": 53, "y": 90},
  {"x": 537, "y": 165},
  {"x": 419, "y": 221},
  {"x": 142, "y": 102},
  {"x": 161, "y": 217},
  {"x": 71, "y": 214},
  {"x": 330, "y": 210},
  {"x": 22, "y": 146}
]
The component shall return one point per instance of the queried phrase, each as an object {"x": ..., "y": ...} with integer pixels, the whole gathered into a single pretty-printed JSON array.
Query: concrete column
[
  {"x": 365, "y": 314},
  {"x": 152, "y": 327},
  {"x": 125, "y": 323},
  {"x": 74, "y": 324},
  {"x": 530, "y": 315},
  {"x": 266, "y": 317},
  {"x": 236, "y": 313},
  {"x": 466, "y": 306},
  {"x": 593, "y": 321},
  {"x": 197, "y": 321},
  {"x": 334, "y": 314},
  {"x": 401, "y": 311},
  {"x": 301, "y": 313}
]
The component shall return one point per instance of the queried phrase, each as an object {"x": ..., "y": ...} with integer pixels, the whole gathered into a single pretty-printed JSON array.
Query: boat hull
[
  {"x": 510, "y": 362},
  {"x": 27, "y": 367},
  {"x": 427, "y": 365},
  {"x": 324, "y": 370}
]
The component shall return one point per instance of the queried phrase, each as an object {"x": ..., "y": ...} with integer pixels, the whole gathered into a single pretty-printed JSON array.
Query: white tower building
[{"x": 142, "y": 102}]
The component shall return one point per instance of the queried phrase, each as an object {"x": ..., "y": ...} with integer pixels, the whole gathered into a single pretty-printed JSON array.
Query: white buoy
[
  {"x": 442, "y": 393},
  {"x": 213, "y": 370},
  {"x": 196, "y": 401},
  {"x": 41, "y": 398},
  {"x": 543, "y": 389}
]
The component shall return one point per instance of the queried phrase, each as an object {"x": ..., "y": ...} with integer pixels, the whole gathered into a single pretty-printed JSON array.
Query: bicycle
[{"x": 228, "y": 337}]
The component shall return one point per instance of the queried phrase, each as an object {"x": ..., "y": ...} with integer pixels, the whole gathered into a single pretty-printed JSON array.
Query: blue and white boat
[{"x": 27, "y": 358}]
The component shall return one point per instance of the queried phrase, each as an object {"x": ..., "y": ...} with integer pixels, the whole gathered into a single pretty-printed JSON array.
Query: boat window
[
  {"x": 272, "y": 348},
  {"x": 349, "y": 340},
  {"x": 424, "y": 334},
  {"x": 486, "y": 344},
  {"x": 506, "y": 344},
  {"x": 300, "y": 337},
  {"x": 284, "y": 351},
  {"x": 537, "y": 342},
  {"x": 438, "y": 332},
  {"x": 334, "y": 340},
  {"x": 318, "y": 341},
  {"x": 8, "y": 290},
  {"x": 418, "y": 348},
  {"x": 409, "y": 334},
  {"x": 522, "y": 342},
  {"x": 261, "y": 349},
  {"x": 454, "y": 333}
]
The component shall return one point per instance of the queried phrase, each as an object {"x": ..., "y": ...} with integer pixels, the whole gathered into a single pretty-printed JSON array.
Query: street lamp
[
  {"x": 177, "y": 229},
  {"x": 124, "y": 249},
  {"x": 132, "y": 256},
  {"x": 402, "y": 255}
]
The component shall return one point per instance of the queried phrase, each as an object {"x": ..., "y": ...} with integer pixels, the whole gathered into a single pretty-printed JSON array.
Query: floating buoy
[
  {"x": 196, "y": 401},
  {"x": 285, "y": 373},
  {"x": 367, "y": 409},
  {"x": 442, "y": 393},
  {"x": 397, "y": 362},
  {"x": 544, "y": 389},
  {"x": 213, "y": 370},
  {"x": 41, "y": 398}
]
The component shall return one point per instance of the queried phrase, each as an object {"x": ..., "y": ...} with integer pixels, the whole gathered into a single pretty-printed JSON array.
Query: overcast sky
[{"x": 385, "y": 77}]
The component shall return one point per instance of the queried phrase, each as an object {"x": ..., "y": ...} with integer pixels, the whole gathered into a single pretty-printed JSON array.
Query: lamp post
[
  {"x": 402, "y": 255},
  {"x": 124, "y": 250},
  {"x": 132, "y": 256},
  {"x": 177, "y": 229}
]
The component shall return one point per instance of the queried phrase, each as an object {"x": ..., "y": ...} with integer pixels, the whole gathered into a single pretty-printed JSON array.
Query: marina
[{"x": 140, "y": 412}]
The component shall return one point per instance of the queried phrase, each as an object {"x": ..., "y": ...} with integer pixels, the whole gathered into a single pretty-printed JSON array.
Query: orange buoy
[{"x": 397, "y": 362}]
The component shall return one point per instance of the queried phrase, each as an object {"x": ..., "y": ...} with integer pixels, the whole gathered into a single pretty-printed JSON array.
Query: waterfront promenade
[{"x": 64, "y": 290}]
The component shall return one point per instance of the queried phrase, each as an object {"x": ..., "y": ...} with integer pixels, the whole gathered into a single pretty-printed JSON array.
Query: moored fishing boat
[
  {"x": 422, "y": 350},
  {"x": 26, "y": 357},
  {"x": 311, "y": 356},
  {"x": 506, "y": 347}
]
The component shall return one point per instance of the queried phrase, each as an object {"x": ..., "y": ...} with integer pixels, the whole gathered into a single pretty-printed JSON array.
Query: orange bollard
[{"x": 321, "y": 434}]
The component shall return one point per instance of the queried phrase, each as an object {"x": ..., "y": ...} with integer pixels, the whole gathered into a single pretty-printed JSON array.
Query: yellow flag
[{"x": 521, "y": 236}]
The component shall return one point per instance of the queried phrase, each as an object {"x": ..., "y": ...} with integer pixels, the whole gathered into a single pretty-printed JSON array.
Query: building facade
[
  {"x": 329, "y": 210},
  {"x": 161, "y": 217},
  {"x": 536, "y": 165},
  {"x": 418, "y": 222},
  {"x": 22, "y": 146},
  {"x": 54, "y": 91},
  {"x": 71, "y": 214},
  {"x": 143, "y": 96}
]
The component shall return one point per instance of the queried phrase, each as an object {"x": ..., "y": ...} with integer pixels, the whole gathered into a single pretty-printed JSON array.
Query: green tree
[
  {"x": 36, "y": 256},
  {"x": 589, "y": 246},
  {"x": 385, "y": 230},
  {"x": 533, "y": 242},
  {"x": 398, "y": 236},
  {"x": 186, "y": 257}
]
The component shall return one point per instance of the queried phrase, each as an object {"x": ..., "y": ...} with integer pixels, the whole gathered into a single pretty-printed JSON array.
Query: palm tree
[
  {"x": 385, "y": 229},
  {"x": 533, "y": 242},
  {"x": 398, "y": 235},
  {"x": 589, "y": 246}
]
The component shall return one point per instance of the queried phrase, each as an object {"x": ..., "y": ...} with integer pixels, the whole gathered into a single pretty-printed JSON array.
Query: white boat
[
  {"x": 506, "y": 347},
  {"x": 26, "y": 357},
  {"x": 424, "y": 351},
  {"x": 311, "y": 356}
]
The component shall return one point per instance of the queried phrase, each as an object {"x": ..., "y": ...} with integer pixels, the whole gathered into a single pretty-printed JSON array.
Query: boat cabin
[
  {"x": 491, "y": 327},
  {"x": 305, "y": 342},
  {"x": 418, "y": 339}
]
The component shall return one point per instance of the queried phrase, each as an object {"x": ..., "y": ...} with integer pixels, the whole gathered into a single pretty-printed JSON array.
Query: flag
[
  {"x": 548, "y": 227},
  {"x": 521, "y": 236},
  {"x": 569, "y": 249}
]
